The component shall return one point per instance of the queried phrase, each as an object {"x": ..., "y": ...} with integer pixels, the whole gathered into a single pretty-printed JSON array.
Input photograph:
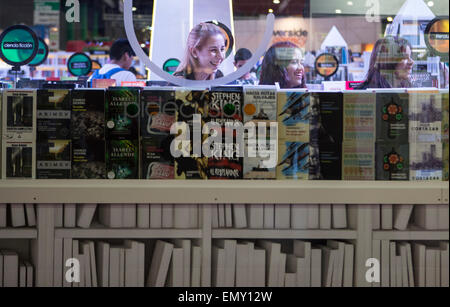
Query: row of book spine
[
  {"x": 15, "y": 272},
  {"x": 17, "y": 215},
  {"x": 125, "y": 133},
  {"x": 412, "y": 264},
  {"x": 403, "y": 217}
]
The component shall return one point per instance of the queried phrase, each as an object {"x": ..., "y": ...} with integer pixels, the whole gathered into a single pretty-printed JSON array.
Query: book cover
[
  {"x": 157, "y": 162},
  {"x": 392, "y": 117},
  {"x": 445, "y": 158},
  {"x": 425, "y": 161},
  {"x": 225, "y": 109},
  {"x": 425, "y": 117},
  {"x": 122, "y": 159},
  {"x": 445, "y": 108},
  {"x": 293, "y": 160},
  {"x": 359, "y": 117},
  {"x": 19, "y": 134},
  {"x": 190, "y": 103},
  {"x": 122, "y": 114},
  {"x": 293, "y": 116},
  {"x": 358, "y": 161},
  {"x": 329, "y": 125},
  {"x": 330, "y": 159},
  {"x": 88, "y": 134},
  {"x": 392, "y": 161}
]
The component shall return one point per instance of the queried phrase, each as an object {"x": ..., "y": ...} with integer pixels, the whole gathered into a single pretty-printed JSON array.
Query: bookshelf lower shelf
[
  {"x": 14, "y": 233},
  {"x": 93, "y": 233},
  {"x": 283, "y": 234},
  {"x": 217, "y": 192}
]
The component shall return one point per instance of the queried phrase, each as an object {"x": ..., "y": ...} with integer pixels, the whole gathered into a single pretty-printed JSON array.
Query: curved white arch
[{"x": 129, "y": 28}]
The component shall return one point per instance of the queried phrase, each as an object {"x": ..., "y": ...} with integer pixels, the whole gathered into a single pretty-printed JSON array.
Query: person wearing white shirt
[{"x": 121, "y": 59}]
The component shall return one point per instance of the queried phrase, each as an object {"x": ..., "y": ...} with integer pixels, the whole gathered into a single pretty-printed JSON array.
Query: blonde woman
[{"x": 205, "y": 51}]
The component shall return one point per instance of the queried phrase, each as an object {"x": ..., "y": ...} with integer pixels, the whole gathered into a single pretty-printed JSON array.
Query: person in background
[
  {"x": 390, "y": 64},
  {"x": 240, "y": 59},
  {"x": 205, "y": 51},
  {"x": 121, "y": 60},
  {"x": 282, "y": 64}
]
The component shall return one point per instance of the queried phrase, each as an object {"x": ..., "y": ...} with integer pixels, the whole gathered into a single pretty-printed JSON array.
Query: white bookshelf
[{"x": 49, "y": 193}]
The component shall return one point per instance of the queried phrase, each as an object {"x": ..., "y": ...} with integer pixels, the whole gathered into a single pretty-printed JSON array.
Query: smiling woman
[{"x": 205, "y": 51}]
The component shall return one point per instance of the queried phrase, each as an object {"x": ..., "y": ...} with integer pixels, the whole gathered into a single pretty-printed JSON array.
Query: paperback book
[{"x": 392, "y": 161}]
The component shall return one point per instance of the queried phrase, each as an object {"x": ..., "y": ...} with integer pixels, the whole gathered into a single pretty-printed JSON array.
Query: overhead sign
[
  {"x": 18, "y": 45},
  {"x": 79, "y": 64},
  {"x": 436, "y": 37},
  {"x": 326, "y": 65},
  {"x": 41, "y": 55}
]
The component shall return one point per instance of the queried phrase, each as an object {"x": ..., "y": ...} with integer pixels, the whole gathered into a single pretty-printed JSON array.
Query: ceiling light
[
  {"x": 276, "y": 1},
  {"x": 134, "y": 9},
  {"x": 338, "y": 11},
  {"x": 270, "y": 11},
  {"x": 430, "y": 3},
  {"x": 349, "y": 3},
  {"x": 390, "y": 19}
]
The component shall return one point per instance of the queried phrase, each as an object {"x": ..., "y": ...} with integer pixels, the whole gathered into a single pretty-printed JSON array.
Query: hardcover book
[
  {"x": 392, "y": 161},
  {"x": 392, "y": 118},
  {"x": 53, "y": 148},
  {"x": 425, "y": 161},
  {"x": 88, "y": 134}
]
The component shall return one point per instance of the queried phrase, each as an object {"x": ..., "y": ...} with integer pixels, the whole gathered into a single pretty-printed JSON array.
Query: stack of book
[
  {"x": 14, "y": 272},
  {"x": 17, "y": 215}
]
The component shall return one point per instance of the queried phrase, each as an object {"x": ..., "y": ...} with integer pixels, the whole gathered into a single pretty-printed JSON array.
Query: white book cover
[
  {"x": 338, "y": 269},
  {"x": 273, "y": 251},
  {"x": 196, "y": 266},
  {"x": 67, "y": 254},
  {"x": 181, "y": 216},
  {"x": 290, "y": 281},
  {"x": 376, "y": 217},
  {"x": 282, "y": 216},
  {"x": 402, "y": 214},
  {"x": 259, "y": 269},
  {"x": 302, "y": 249},
  {"x": 167, "y": 216},
  {"x": 430, "y": 268},
  {"x": 214, "y": 216},
  {"x": 349, "y": 265},
  {"x": 295, "y": 265},
  {"x": 426, "y": 216},
  {"x": 58, "y": 263},
  {"x": 239, "y": 216},
  {"x": 76, "y": 255},
  {"x": 2, "y": 215},
  {"x": 393, "y": 263},
  {"x": 325, "y": 216},
  {"x": 242, "y": 265},
  {"x": 230, "y": 260},
  {"x": 121, "y": 267},
  {"x": 114, "y": 266},
  {"x": 269, "y": 216},
  {"x": 193, "y": 216},
  {"x": 59, "y": 215},
  {"x": 299, "y": 216},
  {"x": 218, "y": 266},
  {"x": 438, "y": 267},
  {"x": 228, "y": 216},
  {"x": 30, "y": 274},
  {"x": 444, "y": 264},
  {"x": 17, "y": 215},
  {"x": 221, "y": 212},
  {"x": 328, "y": 256},
  {"x": 131, "y": 263},
  {"x": 22, "y": 275},
  {"x": 410, "y": 264},
  {"x": 156, "y": 217},
  {"x": 255, "y": 214},
  {"x": 160, "y": 264},
  {"x": 176, "y": 269},
  {"x": 85, "y": 249},
  {"x": 102, "y": 258},
  {"x": 251, "y": 264},
  {"x": 419, "y": 260},
  {"x": 143, "y": 216},
  {"x": 31, "y": 215},
  {"x": 386, "y": 217},
  {"x": 70, "y": 215},
  {"x": 316, "y": 267},
  {"x": 10, "y": 269},
  {"x": 404, "y": 257},
  {"x": 339, "y": 216},
  {"x": 313, "y": 216},
  {"x": 85, "y": 214},
  {"x": 129, "y": 216},
  {"x": 186, "y": 245},
  {"x": 398, "y": 274},
  {"x": 376, "y": 253},
  {"x": 282, "y": 270},
  {"x": 93, "y": 263},
  {"x": 385, "y": 263},
  {"x": 443, "y": 217},
  {"x": 1, "y": 269}
]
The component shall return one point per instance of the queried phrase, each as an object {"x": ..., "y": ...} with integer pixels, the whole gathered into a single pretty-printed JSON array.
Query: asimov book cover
[{"x": 88, "y": 134}]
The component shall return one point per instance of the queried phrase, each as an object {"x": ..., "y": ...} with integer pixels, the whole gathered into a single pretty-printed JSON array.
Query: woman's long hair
[
  {"x": 196, "y": 39},
  {"x": 386, "y": 55},
  {"x": 272, "y": 71}
]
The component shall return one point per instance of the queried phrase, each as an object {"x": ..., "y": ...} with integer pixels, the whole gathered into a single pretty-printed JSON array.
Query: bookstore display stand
[{"x": 358, "y": 195}]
